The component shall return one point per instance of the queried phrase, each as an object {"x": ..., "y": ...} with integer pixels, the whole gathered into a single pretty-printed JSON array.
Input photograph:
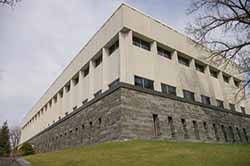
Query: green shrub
[{"x": 27, "y": 149}]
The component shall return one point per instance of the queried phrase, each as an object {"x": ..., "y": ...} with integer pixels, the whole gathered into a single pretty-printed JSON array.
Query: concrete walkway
[{"x": 13, "y": 162}]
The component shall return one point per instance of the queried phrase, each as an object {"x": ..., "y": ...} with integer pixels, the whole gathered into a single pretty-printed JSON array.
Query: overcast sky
[{"x": 38, "y": 38}]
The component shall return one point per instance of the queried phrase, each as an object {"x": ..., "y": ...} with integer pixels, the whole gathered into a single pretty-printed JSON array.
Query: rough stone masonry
[{"x": 130, "y": 112}]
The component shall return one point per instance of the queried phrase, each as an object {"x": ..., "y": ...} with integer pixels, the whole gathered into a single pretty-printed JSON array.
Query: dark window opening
[
  {"x": 83, "y": 127},
  {"x": 206, "y": 130},
  {"x": 100, "y": 121},
  {"x": 220, "y": 103},
  {"x": 76, "y": 129},
  {"x": 196, "y": 130},
  {"x": 188, "y": 95},
  {"x": 114, "y": 83},
  {"x": 98, "y": 93},
  {"x": 163, "y": 52},
  {"x": 171, "y": 125},
  {"x": 184, "y": 61},
  {"x": 168, "y": 89},
  {"x": 67, "y": 87},
  {"x": 232, "y": 107},
  {"x": 214, "y": 73},
  {"x": 231, "y": 132},
  {"x": 114, "y": 47},
  {"x": 144, "y": 83},
  {"x": 184, "y": 126},
  {"x": 61, "y": 93},
  {"x": 243, "y": 110},
  {"x": 199, "y": 67},
  {"x": 205, "y": 100},
  {"x": 141, "y": 43},
  {"x": 226, "y": 78},
  {"x": 55, "y": 99},
  {"x": 156, "y": 125},
  {"x": 91, "y": 124},
  {"x": 75, "y": 80},
  {"x": 239, "y": 134},
  {"x": 86, "y": 71},
  {"x": 237, "y": 83},
  {"x": 224, "y": 132},
  {"x": 98, "y": 61},
  {"x": 245, "y": 134}
]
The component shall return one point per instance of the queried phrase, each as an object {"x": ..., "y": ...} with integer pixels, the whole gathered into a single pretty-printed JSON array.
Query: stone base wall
[{"x": 129, "y": 112}]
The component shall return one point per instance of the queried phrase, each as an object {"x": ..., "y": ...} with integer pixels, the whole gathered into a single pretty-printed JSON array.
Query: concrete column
[
  {"x": 192, "y": 64},
  {"x": 105, "y": 73},
  {"x": 157, "y": 83},
  {"x": 154, "y": 47},
  {"x": 125, "y": 43},
  {"x": 80, "y": 89},
  {"x": 91, "y": 80},
  {"x": 221, "y": 80},
  {"x": 175, "y": 57}
]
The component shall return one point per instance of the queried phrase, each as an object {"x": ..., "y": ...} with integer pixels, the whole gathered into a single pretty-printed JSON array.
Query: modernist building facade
[{"x": 137, "y": 63}]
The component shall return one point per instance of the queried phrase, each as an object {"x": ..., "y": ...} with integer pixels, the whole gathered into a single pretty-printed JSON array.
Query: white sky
[{"x": 38, "y": 38}]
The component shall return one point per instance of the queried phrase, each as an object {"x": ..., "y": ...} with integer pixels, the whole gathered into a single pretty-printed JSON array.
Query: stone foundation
[{"x": 129, "y": 112}]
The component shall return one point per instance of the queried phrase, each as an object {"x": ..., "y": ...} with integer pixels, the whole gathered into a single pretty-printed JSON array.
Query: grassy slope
[{"x": 147, "y": 153}]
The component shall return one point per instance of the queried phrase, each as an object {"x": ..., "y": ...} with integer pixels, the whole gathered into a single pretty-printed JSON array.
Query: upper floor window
[
  {"x": 55, "y": 99},
  {"x": 144, "y": 83},
  {"x": 237, "y": 83},
  {"x": 113, "y": 47},
  {"x": 75, "y": 80},
  {"x": 220, "y": 103},
  {"x": 183, "y": 60},
  {"x": 232, "y": 107},
  {"x": 98, "y": 61},
  {"x": 243, "y": 110},
  {"x": 67, "y": 87},
  {"x": 163, "y": 52},
  {"x": 188, "y": 95},
  {"x": 85, "y": 71},
  {"x": 61, "y": 93},
  {"x": 199, "y": 67},
  {"x": 205, "y": 99},
  {"x": 214, "y": 73},
  {"x": 141, "y": 43},
  {"x": 226, "y": 78},
  {"x": 168, "y": 89}
]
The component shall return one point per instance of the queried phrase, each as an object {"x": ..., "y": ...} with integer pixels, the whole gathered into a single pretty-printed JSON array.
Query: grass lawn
[{"x": 147, "y": 153}]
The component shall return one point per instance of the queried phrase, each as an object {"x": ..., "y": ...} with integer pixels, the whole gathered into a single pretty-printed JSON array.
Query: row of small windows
[
  {"x": 183, "y": 59},
  {"x": 171, "y": 90},
  {"x": 75, "y": 79}
]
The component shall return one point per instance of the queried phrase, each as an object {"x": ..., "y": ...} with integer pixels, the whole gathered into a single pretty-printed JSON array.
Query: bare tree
[
  {"x": 8, "y": 2},
  {"x": 15, "y": 135},
  {"x": 224, "y": 27}
]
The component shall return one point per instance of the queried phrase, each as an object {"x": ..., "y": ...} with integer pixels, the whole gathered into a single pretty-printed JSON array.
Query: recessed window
[
  {"x": 98, "y": 61},
  {"x": 141, "y": 43},
  {"x": 214, "y": 73},
  {"x": 114, "y": 83},
  {"x": 168, "y": 89},
  {"x": 205, "y": 99},
  {"x": 226, "y": 78},
  {"x": 188, "y": 95},
  {"x": 184, "y": 61},
  {"x": 232, "y": 107},
  {"x": 163, "y": 52},
  {"x": 55, "y": 99},
  {"x": 98, "y": 93},
  {"x": 144, "y": 83},
  {"x": 74, "y": 108},
  {"x": 220, "y": 103},
  {"x": 199, "y": 67},
  {"x": 100, "y": 121},
  {"x": 114, "y": 47},
  {"x": 84, "y": 101},
  {"x": 75, "y": 80},
  {"x": 86, "y": 71},
  {"x": 243, "y": 110},
  {"x": 50, "y": 103},
  {"x": 61, "y": 93},
  {"x": 90, "y": 124},
  {"x": 67, "y": 87},
  {"x": 237, "y": 83}
]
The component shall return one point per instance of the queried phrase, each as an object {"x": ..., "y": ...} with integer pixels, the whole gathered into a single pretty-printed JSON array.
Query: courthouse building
[{"x": 138, "y": 78}]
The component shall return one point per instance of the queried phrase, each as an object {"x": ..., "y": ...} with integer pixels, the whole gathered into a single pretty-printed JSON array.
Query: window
[
  {"x": 205, "y": 99},
  {"x": 75, "y": 80},
  {"x": 199, "y": 67},
  {"x": 156, "y": 125},
  {"x": 224, "y": 132},
  {"x": 55, "y": 99},
  {"x": 243, "y": 110},
  {"x": 237, "y": 83},
  {"x": 196, "y": 130},
  {"x": 168, "y": 89},
  {"x": 50, "y": 103},
  {"x": 214, "y": 73},
  {"x": 113, "y": 47},
  {"x": 98, "y": 61},
  {"x": 245, "y": 134},
  {"x": 114, "y": 83},
  {"x": 100, "y": 121},
  {"x": 231, "y": 133},
  {"x": 184, "y": 127},
  {"x": 144, "y": 83},
  {"x": 184, "y": 61},
  {"x": 91, "y": 124},
  {"x": 188, "y": 95},
  {"x": 219, "y": 103},
  {"x": 61, "y": 93},
  {"x": 226, "y": 78},
  {"x": 86, "y": 71},
  {"x": 206, "y": 129},
  {"x": 232, "y": 107},
  {"x": 98, "y": 93},
  {"x": 163, "y": 52},
  {"x": 141, "y": 43},
  {"x": 239, "y": 134},
  {"x": 171, "y": 125},
  {"x": 67, "y": 87}
]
